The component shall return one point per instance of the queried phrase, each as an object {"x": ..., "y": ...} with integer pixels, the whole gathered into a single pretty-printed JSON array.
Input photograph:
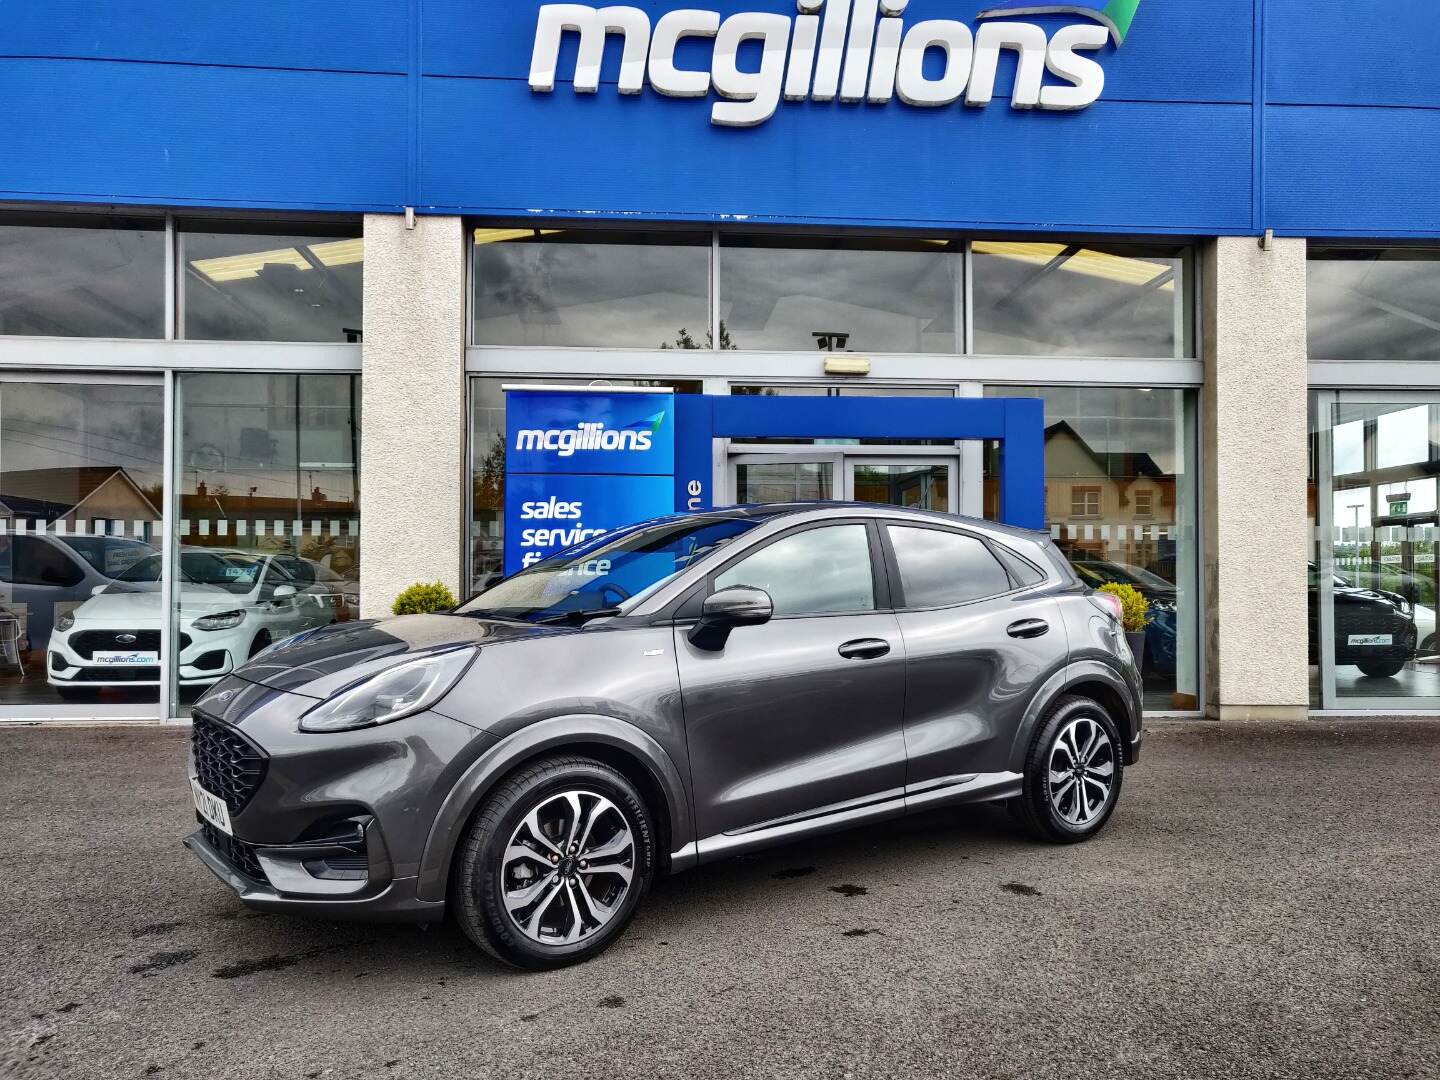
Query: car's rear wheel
[
  {"x": 1073, "y": 772},
  {"x": 555, "y": 863},
  {"x": 1381, "y": 669}
]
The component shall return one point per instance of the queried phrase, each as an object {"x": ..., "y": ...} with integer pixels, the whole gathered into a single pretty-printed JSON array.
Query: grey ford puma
[{"x": 669, "y": 693}]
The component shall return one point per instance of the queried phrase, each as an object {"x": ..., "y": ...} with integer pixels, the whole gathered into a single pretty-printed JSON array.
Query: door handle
[
  {"x": 1028, "y": 628},
  {"x": 864, "y": 648}
]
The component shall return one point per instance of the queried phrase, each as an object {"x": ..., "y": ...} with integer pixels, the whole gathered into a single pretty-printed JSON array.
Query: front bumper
[
  {"x": 203, "y": 659},
  {"x": 335, "y": 823},
  {"x": 395, "y": 901}
]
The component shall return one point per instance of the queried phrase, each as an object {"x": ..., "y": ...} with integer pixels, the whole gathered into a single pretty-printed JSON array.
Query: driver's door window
[{"x": 823, "y": 571}]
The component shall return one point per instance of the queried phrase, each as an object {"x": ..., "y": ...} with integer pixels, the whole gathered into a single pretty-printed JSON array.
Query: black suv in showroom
[
  {"x": 669, "y": 693},
  {"x": 1374, "y": 628}
]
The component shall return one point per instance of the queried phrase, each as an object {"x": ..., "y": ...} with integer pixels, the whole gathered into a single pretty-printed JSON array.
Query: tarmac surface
[{"x": 1263, "y": 904}]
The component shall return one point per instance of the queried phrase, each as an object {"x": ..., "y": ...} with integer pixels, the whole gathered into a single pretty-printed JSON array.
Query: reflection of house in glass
[
  {"x": 323, "y": 529},
  {"x": 87, "y": 499},
  {"x": 1115, "y": 505},
  {"x": 1099, "y": 499}
]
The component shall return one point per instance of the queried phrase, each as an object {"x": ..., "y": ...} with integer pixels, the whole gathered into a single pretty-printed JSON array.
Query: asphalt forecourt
[{"x": 1265, "y": 903}]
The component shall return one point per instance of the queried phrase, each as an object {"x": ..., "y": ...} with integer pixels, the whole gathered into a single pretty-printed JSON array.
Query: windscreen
[{"x": 609, "y": 573}]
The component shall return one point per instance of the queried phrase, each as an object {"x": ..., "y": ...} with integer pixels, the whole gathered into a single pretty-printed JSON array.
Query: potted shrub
[
  {"x": 422, "y": 599},
  {"x": 1134, "y": 616}
]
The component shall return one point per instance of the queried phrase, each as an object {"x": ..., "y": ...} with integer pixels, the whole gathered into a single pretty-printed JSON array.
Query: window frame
[
  {"x": 1087, "y": 490},
  {"x": 881, "y": 583},
  {"x": 897, "y": 586}
]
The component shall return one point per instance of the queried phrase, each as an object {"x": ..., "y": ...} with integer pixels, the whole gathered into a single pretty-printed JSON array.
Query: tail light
[{"x": 1111, "y": 603}]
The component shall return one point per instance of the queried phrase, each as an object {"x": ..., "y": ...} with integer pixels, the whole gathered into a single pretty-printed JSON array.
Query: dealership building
[{"x": 270, "y": 273}]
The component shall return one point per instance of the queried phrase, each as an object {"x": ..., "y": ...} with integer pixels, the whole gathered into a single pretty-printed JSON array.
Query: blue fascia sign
[{"x": 581, "y": 462}]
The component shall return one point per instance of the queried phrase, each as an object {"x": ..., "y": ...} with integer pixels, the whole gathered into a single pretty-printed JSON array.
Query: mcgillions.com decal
[{"x": 856, "y": 50}]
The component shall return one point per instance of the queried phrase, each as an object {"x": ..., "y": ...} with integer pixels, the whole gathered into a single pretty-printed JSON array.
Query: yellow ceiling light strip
[
  {"x": 236, "y": 267},
  {"x": 1097, "y": 264},
  {"x": 497, "y": 236}
]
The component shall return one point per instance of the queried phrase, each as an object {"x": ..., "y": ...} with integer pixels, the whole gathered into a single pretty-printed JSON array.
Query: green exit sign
[{"x": 1399, "y": 509}]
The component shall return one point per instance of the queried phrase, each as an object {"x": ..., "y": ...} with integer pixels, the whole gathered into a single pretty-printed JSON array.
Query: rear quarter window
[{"x": 939, "y": 568}]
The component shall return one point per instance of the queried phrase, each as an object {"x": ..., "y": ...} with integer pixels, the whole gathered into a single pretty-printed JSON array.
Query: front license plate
[
  {"x": 1372, "y": 639},
  {"x": 211, "y": 807},
  {"x": 121, "y": 659}
]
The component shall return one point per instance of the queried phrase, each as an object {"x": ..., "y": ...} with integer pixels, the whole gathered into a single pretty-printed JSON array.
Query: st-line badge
[{"x": 853, "y": 50}]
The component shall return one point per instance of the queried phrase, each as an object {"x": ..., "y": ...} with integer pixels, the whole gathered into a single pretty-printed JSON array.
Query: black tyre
[
  {"x": 555, "y": 863},
  {"x": 262, "y": 641},
  {"x": 1381, "y": 669},
  {"x": 1073, "y": 772}
]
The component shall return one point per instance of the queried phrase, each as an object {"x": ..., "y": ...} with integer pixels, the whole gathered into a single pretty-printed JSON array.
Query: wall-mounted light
[{"x": 847, "y": 365}]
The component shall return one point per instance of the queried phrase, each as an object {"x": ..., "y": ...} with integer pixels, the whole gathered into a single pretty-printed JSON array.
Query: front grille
[
  {"x": 88, "y": 642},
  {"x": 117, "y": 673},
  {"x": 226, "y": 763},
  {"x": 237, "y": 853}
]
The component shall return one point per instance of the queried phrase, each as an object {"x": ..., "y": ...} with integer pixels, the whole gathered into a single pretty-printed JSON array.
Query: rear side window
[
  {"x": 1020, "y": 568},
  {"x": 823, "y": 571},
  {"x": 939, "y": 568}
]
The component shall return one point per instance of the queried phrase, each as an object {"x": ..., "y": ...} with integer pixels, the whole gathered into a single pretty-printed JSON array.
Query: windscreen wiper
[{"x": 579, "y": 615}]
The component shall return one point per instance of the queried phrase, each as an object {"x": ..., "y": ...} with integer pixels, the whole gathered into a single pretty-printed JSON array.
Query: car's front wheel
[
  {"x": 554, "y": 864},
  {"x": 1072, "y": 773}
]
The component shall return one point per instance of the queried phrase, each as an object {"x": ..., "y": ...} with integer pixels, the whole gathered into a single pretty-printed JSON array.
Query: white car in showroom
[{"x": 232, "y": 605}]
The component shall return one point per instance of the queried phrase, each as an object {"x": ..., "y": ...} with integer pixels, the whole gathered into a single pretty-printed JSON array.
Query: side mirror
[
  {"x": 723, "y": 611},
  {"x": 282, "y": 591}
]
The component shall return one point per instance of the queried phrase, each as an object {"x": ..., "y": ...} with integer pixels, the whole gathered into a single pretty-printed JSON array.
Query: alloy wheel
[
  {"x": 1082, "y": 771},
  {"x": 568, "y": 868}
]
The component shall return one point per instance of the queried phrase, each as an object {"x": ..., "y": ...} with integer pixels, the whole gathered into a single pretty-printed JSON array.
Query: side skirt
[{"x": 973, "y": 787}]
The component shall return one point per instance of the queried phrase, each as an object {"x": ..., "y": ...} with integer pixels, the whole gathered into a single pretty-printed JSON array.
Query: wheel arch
[
  {"x": 617, "y": 743},
  {"x": 1090, "y": 679}
]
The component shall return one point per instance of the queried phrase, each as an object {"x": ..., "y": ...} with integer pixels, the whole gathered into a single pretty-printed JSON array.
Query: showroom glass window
[
  {"x": 245, "y": 282},
  {"x": 81, "y": 497},
  {"x": 595, "y": 288},
  {"x": 1121, "y": 491},
  {"x": 1374, "y": 303},
  {"x": 840, "y": 295},
  {"x": 269, "y": 515},
  {"x": 487, "y": 466},
  {"x": 82, "y": 276},
  {"x": 1059, "y": 299}
]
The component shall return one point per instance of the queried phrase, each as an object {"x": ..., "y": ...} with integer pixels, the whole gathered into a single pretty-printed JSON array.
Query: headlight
[
  {"x": 393, "y": 693},
  {"x": 65, "y": 622},
  {"x": 221, "y": 620}
]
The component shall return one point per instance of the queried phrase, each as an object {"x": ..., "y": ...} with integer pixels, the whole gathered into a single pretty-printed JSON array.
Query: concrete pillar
[
  {"x": 1254, "y": 441},
  {"x": 412, "y": 445}
]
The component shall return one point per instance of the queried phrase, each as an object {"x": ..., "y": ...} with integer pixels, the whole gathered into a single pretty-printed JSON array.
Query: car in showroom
[
  {"x": 1375, "y": 629},
  {"x": 45, "y": 574},
  {"x": 233, "y": 604},
  {"x": 669, "y": 693}
]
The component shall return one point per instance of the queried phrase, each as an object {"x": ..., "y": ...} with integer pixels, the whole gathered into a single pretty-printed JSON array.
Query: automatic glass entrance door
[{"x": 924, "y": 482}]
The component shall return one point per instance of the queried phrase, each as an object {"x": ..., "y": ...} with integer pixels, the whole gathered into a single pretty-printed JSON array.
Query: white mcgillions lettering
[
  {"x": 589, "y": 436},
  {"x": 665, "y": 77},
  {"x": 593, "y": 25},
  {"x": 857, "y": 50},
  {"x": 753, "y": 94}
]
